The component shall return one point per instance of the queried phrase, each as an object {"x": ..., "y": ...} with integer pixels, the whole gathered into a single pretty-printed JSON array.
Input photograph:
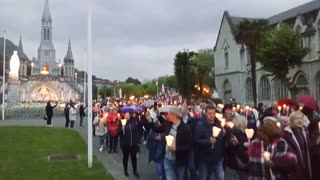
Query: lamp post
[
  {"x": 3, "y": 72},
  {"x": 90, "y": 155}
]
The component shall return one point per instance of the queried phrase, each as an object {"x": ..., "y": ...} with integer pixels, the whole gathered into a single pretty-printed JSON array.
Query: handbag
[{"x": 45, "y": 117}]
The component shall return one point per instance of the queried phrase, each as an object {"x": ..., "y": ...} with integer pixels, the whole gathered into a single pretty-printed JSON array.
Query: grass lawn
[{"x": 24, "y": 155}]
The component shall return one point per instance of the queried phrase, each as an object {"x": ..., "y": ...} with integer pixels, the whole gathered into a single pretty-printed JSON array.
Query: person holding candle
[
  {"x": 129, "y": 139},
  {"x": 113, "y": 124},
  {"x": 236, "y": 148},
  {"x": 296, "y": 135},
  {"x": 177, "y": 153},
  {"x": 209, "y": 149},
  {"x": 270, "y": 156},
  {"x": 100, "y": 126}
]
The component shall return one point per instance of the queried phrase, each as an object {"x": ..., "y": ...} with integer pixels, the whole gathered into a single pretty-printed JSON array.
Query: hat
[{"x": 176, "y": 111}]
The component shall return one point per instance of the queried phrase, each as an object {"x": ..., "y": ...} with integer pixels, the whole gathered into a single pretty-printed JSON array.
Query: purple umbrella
[{"x": 130, "y": 109}]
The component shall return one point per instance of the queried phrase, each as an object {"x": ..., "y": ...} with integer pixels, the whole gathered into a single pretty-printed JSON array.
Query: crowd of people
[{"x": 184, "y": 142}]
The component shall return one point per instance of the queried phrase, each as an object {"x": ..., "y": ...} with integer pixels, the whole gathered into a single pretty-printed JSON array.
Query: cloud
[{"x": 136, "y": 38}]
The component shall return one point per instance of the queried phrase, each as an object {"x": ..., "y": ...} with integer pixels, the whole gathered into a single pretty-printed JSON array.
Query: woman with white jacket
[{"x": 72, "y": 115}]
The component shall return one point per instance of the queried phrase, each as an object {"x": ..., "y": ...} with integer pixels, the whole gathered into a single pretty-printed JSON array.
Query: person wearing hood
[
  {"x": 113, "y": 124},
  {"x": 129, "y": 139}
]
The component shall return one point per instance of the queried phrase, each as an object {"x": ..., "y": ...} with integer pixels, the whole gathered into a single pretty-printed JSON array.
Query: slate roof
[{"x": 291, "y": 13}]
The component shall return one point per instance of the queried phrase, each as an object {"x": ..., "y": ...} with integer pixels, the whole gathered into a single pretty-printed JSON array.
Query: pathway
[{"x": 112, "y": 162}]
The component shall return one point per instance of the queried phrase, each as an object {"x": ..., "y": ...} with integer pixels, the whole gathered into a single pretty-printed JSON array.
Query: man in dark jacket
[
  {"x": 209, "y": 149},
  {"x": 191, "y": 123},
  {"x": 176, "y": 156},
  {"x": 66, "y": 115}
]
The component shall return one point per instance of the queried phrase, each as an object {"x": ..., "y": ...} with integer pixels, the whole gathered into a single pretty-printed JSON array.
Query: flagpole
[
  {"x": 89, "y": 63},
  {"x": 4, "y": 73}
]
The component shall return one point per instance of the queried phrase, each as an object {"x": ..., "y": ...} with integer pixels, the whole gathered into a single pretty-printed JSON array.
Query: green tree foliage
[
  {"x": 94, "y": 91},
  {"x": 202, "y": 66},
  {"x": 149, "y": 88},
  {"x": 280, "y": 51},
  {"x": 183, "y": 73},
  {"x": 105, "y": 91},
  {"x": 251, "y": 33},
  {"x": 130, "y": 80},
  {"x": 129, "y": 90}
]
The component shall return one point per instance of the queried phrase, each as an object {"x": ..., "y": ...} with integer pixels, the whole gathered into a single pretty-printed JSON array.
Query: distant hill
[{"x": 10, "y": 47}]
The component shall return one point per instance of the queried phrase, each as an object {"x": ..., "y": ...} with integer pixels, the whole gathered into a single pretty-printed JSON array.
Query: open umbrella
[
  {"x": 288, "y": 102},
  {"x": 130, "y": 109},
  {"x": 308, "y": 102},
  {"x": 165, "y": 108},
  {"x": 148, "y": 103}
]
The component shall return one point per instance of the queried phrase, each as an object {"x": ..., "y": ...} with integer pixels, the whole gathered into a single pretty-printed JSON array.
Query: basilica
[{"x": 44, "y": 78}]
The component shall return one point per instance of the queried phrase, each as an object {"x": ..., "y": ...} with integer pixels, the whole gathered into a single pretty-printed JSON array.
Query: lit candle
[
  {"x": 223, "y": 122},
  {"x": 266, "y": 155},
  {"x": 219, "y": 116},
  {"x": 319, "y": 125},
  {"x": 230, "y": 124},
  {"x": 169, "y": 140},
  {"x": 279, "y": 124},
  {"x": 249, "y": 133},
  {"x": 215, "y": 131},
  {"x": 300, "y": 108},
  {"x": 279, "y": 108},
  {"x": 234, "y": 109},
  {"x": 123, "y": 122},
  {"x": 238, "y": 107}
]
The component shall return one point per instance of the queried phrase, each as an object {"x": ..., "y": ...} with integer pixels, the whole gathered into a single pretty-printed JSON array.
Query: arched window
[
  {"x": 227, "y": 91},
  {"x": 44, "y": 34},
  {"x": 226, "y": 57},
  {"x": 302, "y": 84},
  {"x": 281, "y": 91},
  {"x": 48, "y": 34},
  {"x": 318, "y": 85},
  {"x": 264, "y": 87},
  {"x": 249, "y": 89}
]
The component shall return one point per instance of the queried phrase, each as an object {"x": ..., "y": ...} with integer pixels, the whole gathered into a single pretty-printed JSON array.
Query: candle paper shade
[
  {"x": 249, "y": 133},
  {"x": 278, "y": 124},
  {"x": 319, "y": 125},
  {"x": 266, "y": 155},
  {"x": 169, "y": 140},
  {"x": 123, "y": 122},
  {"x": 219, "y": 116},
  {"x": 230, "y": 124},
  {"x": 223, "y": 122},
  {"x": 215, "y": 131}
]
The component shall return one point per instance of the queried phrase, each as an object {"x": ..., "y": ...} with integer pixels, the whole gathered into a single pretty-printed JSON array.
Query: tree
[
  {"x": 130, "y": 80},
  {"x": 182, "y": 71},
  {"x": 202, "y": 66},
  {"x": 250, "y": 33},
  {"x": 105, "y": 91},
  {"x": 280, "y": 51}
]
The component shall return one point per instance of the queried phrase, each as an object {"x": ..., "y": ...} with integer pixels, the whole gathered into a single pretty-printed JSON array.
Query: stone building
[{"x": 232, "y": 65}]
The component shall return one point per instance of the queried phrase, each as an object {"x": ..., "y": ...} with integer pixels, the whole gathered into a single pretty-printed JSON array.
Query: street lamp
[
  {"x": 59, "y": 65},
  {"x": 32, "y": 65},
  {"x": 4, "y": 72}
]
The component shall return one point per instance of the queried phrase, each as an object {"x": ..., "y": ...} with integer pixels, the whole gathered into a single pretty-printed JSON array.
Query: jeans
[
  {"x": 173, "y": 172},
  {"x": 81, "y": 120},
  {"x": 72, "y": 123},
  {"x": 160, "y": 168},
  {"x": 206, "y": 168},
  {"x": 101, "y": 140},
  {"x": 192, "y": 167}
]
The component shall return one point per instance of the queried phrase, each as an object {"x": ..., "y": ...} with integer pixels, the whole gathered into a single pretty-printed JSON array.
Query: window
[
  {"x": 48, "y": 34},
  {"x": 318, "y": 85},
  {"x": 281, "y": 91},
  {"x": 265, "y": 93},
  {"x": 227, "y": 91},
  {"x": 302, "y": 84},
  {"x": 249, "y": 89},
  {"x": 44, "y": 34},
  {"x": 226, "y": 58}
]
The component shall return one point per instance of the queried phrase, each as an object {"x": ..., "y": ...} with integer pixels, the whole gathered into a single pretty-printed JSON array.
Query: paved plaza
[{"x": 112, "y": 162}]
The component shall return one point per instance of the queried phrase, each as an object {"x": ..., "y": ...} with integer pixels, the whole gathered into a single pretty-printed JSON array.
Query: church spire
[
  {"x": 20, "y": 48},
  {"x": 69, "y": 52},
  {"x": 46, "y": 12}
]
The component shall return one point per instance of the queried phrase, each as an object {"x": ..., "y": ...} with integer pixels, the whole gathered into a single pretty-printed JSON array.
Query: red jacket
[{"x": 112, "y": 125}]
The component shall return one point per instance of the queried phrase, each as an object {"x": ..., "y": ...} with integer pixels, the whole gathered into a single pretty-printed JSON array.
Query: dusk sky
[{"x": 137, "y": 38}]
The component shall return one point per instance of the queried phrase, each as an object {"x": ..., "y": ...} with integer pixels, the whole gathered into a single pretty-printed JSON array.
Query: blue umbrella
[{"x": 130, "y": 109}]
